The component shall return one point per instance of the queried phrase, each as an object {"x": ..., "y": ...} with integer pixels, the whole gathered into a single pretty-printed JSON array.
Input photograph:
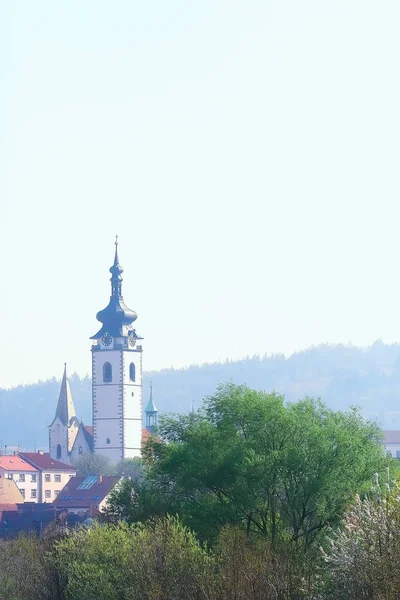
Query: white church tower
[
  {"x": 65, "y": 425},
  {"x": 117, "y": 377}
]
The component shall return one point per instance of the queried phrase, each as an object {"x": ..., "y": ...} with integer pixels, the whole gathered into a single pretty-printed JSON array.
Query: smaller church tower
[
  {"x": 151, "y": 413},
  {"x": 65, "y": 425}
]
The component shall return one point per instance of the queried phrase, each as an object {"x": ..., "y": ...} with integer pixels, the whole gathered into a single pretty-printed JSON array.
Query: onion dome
[{"x": 116, "y": 315}]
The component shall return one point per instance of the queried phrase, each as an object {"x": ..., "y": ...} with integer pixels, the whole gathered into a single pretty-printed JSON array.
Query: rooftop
[
  {"x": 15, "y": 463},
  {"x": 84, "y": 492},
  {"x": 44, "y": 463},
  {"x": 9, "y": 492}
]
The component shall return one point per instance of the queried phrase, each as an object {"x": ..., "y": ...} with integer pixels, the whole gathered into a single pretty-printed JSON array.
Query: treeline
[
  {"x": 247, "y": 498},
  {"x": 342, "y": 376},
  {"x": 164, "y": 560}
]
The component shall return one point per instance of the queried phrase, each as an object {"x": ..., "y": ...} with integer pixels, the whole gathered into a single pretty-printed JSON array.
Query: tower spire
[
  {"x": 116, "y": 270},
  {"x": 151, "y": 412},
  {"x": 65, "y": 406},
  {"x": 116, "y": 316},
  {"x": 64, "y": 427}
]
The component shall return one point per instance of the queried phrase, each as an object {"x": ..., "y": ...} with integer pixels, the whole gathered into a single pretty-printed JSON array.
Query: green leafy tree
[
  {"x": 141, "y": 562},
  {"x": 285, "y": 471},
  {"x": 93, "y": 464}
]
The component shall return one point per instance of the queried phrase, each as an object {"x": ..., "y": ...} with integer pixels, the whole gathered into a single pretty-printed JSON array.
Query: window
[
  {"x": 132, "y": 372},
  {"x": 47, "y": 478},
  {"x": 9, "y": 475},
  {"x": 108, "y": 441},
  {"x": 80, "y": 450},
  {"x": 59, "y": 451},
  {"x": 107, "y": 372},
  {"x": 33, "y": 478},
  {"x": 21, "y": 477},
  {"x": 397, "y": 453},
  {"x": 57, "y": 478},
  {"x": 33, "y": 493},
  {"x": 22, "y": 492},
  {"x": 56, "y": 492},
  {"x": 47, "y": 494}
]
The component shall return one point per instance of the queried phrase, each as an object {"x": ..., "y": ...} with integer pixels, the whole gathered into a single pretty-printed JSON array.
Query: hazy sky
[{"x": 246, "y": 152}]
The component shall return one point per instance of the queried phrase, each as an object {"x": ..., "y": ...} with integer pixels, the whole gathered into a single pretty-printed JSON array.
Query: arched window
[
  {"x": 108, "y": 441},
  {"x": 107, "y": 372},
  {"x": 132, "y": 372},
  {"x": 80, "y": 450},
  {"x": 59, "y": 451}
]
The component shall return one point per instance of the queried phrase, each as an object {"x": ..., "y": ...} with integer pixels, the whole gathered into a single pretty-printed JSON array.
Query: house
[
  {"x": 25, "y": 475},
  {"x": 82, "y": 495},
  {"x": 27, "y": 518},
  {"x": 53, "y": 474},
  {"x": 392, "y": 441},
  {"x": 10, "y": 495}
]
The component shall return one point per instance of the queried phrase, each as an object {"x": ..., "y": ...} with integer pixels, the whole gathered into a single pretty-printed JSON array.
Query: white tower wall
[{"x": 117, "y": 405}]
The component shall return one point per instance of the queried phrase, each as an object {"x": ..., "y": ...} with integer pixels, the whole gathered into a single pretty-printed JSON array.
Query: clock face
[
  {"x": 132, "y": 340},
  {"x": 106, "y": 340}
]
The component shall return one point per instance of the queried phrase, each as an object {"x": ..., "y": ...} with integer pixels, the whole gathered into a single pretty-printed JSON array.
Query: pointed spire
[
  {"x": 116, "y": 270},
  {"x": 151, "y": 407},
  {"x": 65, "y": 406}
]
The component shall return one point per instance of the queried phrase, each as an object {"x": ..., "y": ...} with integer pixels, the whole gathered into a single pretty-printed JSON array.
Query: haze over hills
[{"x": 342, "y": 376}]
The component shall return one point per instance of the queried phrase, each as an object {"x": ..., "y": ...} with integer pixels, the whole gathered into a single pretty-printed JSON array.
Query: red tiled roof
[
  {"x": 44, "y": 463},
  {"x": 15, "y": 463},
  {"x": 145, "y": 436},
  {"x": 85, "y": 492},
  {"x": 89, "y": 429}
]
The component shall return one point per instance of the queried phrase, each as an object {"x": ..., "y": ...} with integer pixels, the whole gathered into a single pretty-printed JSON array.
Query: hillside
[{"x": 342, "y": 376}]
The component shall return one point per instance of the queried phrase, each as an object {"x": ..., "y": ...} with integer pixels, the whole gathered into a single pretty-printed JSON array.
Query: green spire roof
[{"x": 151, "y": 407}]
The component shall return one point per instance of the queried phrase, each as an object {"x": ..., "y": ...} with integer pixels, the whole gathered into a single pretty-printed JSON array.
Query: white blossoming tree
[{"x": 362, "y": 556}]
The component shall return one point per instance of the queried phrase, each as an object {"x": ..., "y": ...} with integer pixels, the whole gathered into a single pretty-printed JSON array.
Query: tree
[
  {"x": 283, "y": 471},
  {"x": 144, "y": 562},
  {"x": 361, "y": 556},
  {"x": 130, "y": 467},
  {"x": 93, "y": 464},
  {"x": 26, "y": 571}
]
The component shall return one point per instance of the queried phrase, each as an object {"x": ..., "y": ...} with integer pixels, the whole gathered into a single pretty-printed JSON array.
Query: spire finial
[{"x": 116, "y": 241}]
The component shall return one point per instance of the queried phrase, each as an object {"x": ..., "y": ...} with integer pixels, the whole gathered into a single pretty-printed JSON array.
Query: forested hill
[{"x": 342, "y": 376}]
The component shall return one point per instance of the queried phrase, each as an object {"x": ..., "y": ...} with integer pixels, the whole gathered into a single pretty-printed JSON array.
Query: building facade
[
  {"x": 23, "y": 474},
  {"x": 392, "y": 442},
  {"x": 53, "y": 475},
  {"x": 117, "y": 377}
]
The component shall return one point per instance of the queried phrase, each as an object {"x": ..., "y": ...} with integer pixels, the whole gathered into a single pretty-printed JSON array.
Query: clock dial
[
  {"x": 106, "y": 340},
  {"x": 132, "y": 339}
]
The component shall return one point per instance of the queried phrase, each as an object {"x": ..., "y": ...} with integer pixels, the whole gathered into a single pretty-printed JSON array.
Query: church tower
[
  {"x": 65, "y": 425},
  {"x": 117, "y": 377}
]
